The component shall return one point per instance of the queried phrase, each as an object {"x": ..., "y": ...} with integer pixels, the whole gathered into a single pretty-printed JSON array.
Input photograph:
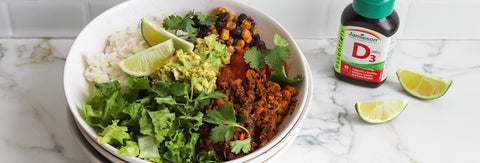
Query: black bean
[
  {"x": 241, "y": 17},
  {"x": 252, "y": 22},
  {"x": 223, "y": 17},
  {"x": 256, "y": 37},
  {"x": 260, "y": 44},
  {"x": 235, "y": 40},
  {"x": 237, "y": 32},
  {"x": 219, "y": 27}
]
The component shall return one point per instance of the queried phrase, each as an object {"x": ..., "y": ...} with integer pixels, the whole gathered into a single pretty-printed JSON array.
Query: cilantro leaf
[
  {"x": 221, "y": 133},
  {"x": 255, "y": 57},
  {"x": 172, "y": 22},
  {"x": 276, "y": 57},
  {"x": 243, "y": 118},
  {"x": 226, "y": 121},
  {"x": 279, "y": 41},
  {"x": 188, "y": 24},
  {"x": 240, "y": 145},
  {"x": 204, "y": 19},
  {"x": 203, "y": 100},
  {"x": 280, "y": 76},
  {"x": 225, "y": 115},
  {"x": 273, "y": 58}
]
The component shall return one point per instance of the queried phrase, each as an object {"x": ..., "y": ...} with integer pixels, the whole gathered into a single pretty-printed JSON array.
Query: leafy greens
[{"x": 154, "y": 121}]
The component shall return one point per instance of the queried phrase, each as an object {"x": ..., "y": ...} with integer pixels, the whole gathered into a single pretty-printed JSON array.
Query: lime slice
[
  {"x": 154, "y": 34},
  {"x": 380, "y": 111},
  {"x": 145, "y": 62},
  {"x": 423, "y": 86}
]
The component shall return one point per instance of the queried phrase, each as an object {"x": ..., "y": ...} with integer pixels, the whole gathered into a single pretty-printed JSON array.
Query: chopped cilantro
[
  {"x": 279, "y": 41},
  {"x": 204, "y": 19},
  {"x": 255, "y": 57},
  {"x": 241, "y": 145},
  {"x": 226, "y": 121},
  {"x": 274, "y": 59},
  {"x": 188, "y": 24},
  {"x": 281, "y": 76}
]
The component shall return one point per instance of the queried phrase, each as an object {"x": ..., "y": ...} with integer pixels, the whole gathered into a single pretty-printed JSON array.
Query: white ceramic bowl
[{"x": 93, "y": 39}]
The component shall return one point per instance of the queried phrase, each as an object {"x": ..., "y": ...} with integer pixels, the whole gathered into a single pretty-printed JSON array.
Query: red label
[{"x": 362, "y": 74}]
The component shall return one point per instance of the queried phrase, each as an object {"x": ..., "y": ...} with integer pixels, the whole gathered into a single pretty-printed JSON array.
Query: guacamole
[
  {"x": 212, "y": 51},
  {"x": 198, "y": 68}
]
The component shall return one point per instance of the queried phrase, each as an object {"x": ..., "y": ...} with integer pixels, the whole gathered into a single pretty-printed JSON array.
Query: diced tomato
[{"x": 237, "y": 67}]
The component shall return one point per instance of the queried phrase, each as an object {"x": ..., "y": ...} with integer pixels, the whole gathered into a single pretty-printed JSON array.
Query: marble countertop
[{"x": 34, "y": 124}]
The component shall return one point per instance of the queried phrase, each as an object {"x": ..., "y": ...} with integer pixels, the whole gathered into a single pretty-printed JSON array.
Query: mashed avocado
[
  {"x": 198, "y": 68},
  {"x": 212, "y": 51}
]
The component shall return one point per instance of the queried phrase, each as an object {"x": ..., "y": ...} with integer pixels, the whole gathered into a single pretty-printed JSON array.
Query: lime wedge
[
  {"x": 380, "y": 111},
  {"x": 147, "y": 61},
  {"x": 154, "y": 34},
  {"x": 423, "y": 86}
]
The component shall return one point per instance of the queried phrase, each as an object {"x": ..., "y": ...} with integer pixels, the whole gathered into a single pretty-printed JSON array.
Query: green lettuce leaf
[
  {"x": 130, "y": 149},
  {"x": 114, "y": 134},
  {"x": 148, "y": 149},
  {"x": 162, "y": 121}
]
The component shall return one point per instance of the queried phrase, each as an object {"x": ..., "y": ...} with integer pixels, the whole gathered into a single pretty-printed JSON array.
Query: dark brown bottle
[{"x": 365, "y": 43}]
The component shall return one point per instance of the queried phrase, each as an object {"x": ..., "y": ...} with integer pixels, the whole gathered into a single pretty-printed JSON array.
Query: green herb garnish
[
  {"x": 188, "y": 24},
  {"x": 274, "y": 58},
  {"x": 241, "y": 145},
  {"x": 226, "y": 121}
]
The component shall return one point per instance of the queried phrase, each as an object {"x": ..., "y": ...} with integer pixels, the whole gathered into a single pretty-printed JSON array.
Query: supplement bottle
[{"x": 366, "y": 41}]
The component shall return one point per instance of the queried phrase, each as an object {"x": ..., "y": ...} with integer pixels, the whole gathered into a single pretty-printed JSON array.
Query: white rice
[{"x": 103, "y": 66}]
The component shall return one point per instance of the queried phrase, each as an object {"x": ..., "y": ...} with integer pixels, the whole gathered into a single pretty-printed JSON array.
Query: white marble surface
[{"x": 34, "y": 126}]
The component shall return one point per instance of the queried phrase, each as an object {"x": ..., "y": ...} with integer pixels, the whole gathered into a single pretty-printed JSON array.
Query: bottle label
[{"x": 363, "y": 53}]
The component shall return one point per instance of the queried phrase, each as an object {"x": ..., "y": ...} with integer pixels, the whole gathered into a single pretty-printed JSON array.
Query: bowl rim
[{"x": 301, "y": 104}]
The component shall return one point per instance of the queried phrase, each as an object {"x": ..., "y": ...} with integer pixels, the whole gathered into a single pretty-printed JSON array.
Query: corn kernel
[
  {"x": 254, "y": 31},
  {"x": 225, "y": 34},
  {"x": 230, "y": 25},
  {"x": 220, "y": 10},
  {"x": 230, "y": 18},
  {"x": 246, "y": 24},
  {"x": 230, "y": 41},
  {"x": 214, "y": 31},
  {"x": 240, "y": 43},
  {"x": 246, "y": 35}
]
